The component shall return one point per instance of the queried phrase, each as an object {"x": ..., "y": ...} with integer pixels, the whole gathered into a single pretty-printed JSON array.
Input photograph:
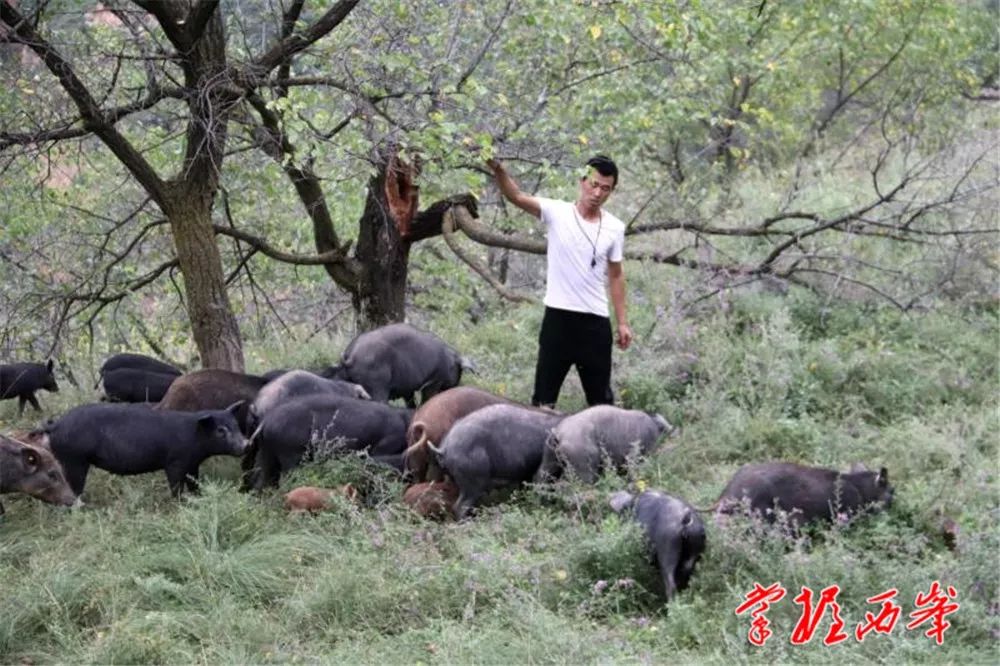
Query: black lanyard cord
[{"x": 593, "y": 244}]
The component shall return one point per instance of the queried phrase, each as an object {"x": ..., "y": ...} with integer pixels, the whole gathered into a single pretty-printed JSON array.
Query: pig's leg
[
  {"x": 585, "y": 463},
  {"x": 248, "y": 467},
  {"x": 429, "y": 392},
  {"x": 76, "y": 474},
  {"x": 667, "y": 556},
  {"x": 467, "y": 499},
  {"x": 175, "y": 478},
  {"x": 395, "y": 461},
  {"x": 390, "y": 445},
  {"x": 268, "y": 470},
  {"x": 550, "y": 467},
  {"x": 191, "y": 480}
]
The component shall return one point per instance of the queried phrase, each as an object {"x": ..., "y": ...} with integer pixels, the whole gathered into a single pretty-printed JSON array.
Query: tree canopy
[{"x": 143, "y": 142}]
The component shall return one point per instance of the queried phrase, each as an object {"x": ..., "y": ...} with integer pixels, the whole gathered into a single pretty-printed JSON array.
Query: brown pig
[
  {"x": 434, "y": 499},
  {"x": 32, "y": 437},
  {"x": 32, "y": 470},
  {"x": 213, "y": 388},
  {"x": 313, "y": 499}
]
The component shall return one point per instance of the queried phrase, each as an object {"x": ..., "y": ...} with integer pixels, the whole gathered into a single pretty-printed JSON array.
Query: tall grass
[{"x": 550, "y": 575}]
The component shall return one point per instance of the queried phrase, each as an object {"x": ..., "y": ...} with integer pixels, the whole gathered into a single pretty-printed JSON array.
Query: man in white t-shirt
[{"x": 584, "y": 264}]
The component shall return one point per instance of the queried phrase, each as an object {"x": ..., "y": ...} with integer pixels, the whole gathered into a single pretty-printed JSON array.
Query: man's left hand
[{"x": 624, "y": 336}]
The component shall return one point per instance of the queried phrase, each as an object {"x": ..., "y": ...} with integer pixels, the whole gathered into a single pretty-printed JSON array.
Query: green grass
[{"x": 223, "y": 577}]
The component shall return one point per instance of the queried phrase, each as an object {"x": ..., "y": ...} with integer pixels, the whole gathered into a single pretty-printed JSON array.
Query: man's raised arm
[{"x": 511, "y": 192}]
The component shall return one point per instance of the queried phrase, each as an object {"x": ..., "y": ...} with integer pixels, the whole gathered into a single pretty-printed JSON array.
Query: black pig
[
  {"x": 138, "y": 362},
  {"x": 296, "y": 384},
  {"x": 135, "y": 385},
  {"x": 583, "y": 441},
  {"x": 491, "y": 447},
  {"x": 21, "y": 380},
  {"x": 134, "y": 439},
  {"x": 214, "y": 389},
  {"x": 396, "y": 361},
  {"x": 307, "y": 424},
  {"x": 674, "y": 531},
  {"x": 806, "y": 493}
]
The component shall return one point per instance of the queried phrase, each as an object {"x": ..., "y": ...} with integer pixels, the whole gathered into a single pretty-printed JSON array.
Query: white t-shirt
[{"x": 573, "y": 243}]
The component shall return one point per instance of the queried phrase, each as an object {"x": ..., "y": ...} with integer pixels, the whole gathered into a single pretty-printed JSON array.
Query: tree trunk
[
  {"x": 383, "y": 248},
  {"x": 213, "y": 324},
  {"x": 193, "y": 190}
]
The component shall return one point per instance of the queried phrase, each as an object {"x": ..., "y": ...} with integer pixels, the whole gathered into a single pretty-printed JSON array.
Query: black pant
[{"x": 573, "y": 338}]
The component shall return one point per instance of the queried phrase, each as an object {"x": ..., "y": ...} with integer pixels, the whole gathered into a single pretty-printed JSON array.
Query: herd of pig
[{"x": 461, "y": 442}]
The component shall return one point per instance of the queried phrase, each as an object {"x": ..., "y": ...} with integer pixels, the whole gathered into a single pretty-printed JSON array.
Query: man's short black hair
[{"x": 604, "y": 166}]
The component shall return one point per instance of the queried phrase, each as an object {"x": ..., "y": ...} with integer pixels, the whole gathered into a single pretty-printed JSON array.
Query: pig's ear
[
  {"x": 30, "y": 457},
  {"x": 51, "y": 364},
  {"x": 666, "y": 425},
  {"x": 40, "y": 438},
  {"x": 233, "y": 408},
  {"x": 206, "y": 422},
  {"x": 883, "y": 477},
  {"x": 621, "y": 500}
]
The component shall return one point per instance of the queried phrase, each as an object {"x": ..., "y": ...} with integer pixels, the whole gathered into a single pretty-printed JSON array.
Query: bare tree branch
[
  {"x": 296, "y": 42},
  {"x": 265, "y": 248},
  {"x": 132, "y": 286},
  {"x": 843, "y": 99},
  {"x": 484, "y": 49},
  {"x": 288, "y": 20},
  {"x": 344, "y": 271},
  {"x": 36, "y": 137},
  {"x": 8, "y": 139},
  {"x": 448, "y": 232},
  {"x": 93, "y": 118},
  {"x": 844, "y": 278},
  {"x": 985, "y": 95},
  {"x": 482, "y": 234}
]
